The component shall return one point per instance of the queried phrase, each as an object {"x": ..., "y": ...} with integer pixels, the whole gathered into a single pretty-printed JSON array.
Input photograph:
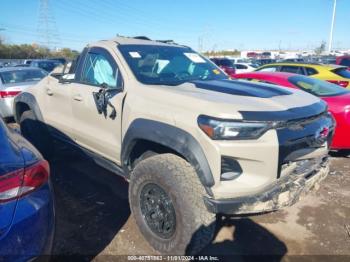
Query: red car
[
  {"x": 226, "y": 65},
  {"x": 338, "y": 98},
  {"x": 344, "y": 61}
]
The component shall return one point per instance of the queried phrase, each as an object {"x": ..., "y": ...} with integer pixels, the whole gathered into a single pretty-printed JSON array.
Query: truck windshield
[{"x": 168, "y": 65}]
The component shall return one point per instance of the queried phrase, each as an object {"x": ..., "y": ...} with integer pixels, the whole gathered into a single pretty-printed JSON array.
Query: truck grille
[
  {"x": 301, "y": 137},
  {"x": 308, "y": 167}
]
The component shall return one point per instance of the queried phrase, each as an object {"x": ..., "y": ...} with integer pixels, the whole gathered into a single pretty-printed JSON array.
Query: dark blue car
[{"x": 26, "y": 200}]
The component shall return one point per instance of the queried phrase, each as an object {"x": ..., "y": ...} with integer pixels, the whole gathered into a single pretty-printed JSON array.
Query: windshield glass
[
  {"x": 167, "y": 65},
  {"x": 317, "y": 87},
  {"x": 19, "y": 76}
]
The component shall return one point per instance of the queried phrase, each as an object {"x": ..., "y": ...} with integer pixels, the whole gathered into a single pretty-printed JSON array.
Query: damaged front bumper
[{"x": 301, "y": 177}]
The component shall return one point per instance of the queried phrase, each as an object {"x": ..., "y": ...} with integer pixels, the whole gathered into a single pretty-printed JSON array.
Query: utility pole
[
  {"x": 332, "y": 27},
  {"x": 47, "y": 29},
  {"x": 200, "y": 44},
  {"x": 279, "y": 45}
]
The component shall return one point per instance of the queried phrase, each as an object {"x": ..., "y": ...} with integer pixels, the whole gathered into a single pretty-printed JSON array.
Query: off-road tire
[
  {"x": 36, "y": 133},
  {"x": 195, "y": 226}
]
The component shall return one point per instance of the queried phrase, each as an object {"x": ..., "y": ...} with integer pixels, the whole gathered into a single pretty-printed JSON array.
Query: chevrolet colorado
[{"x": 191, "y": 142}]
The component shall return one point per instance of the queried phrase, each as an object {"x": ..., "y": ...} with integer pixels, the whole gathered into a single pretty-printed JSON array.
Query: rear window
[
  {"x": 240, "y": 66},
  {"x": 20, "y": 76},
  {"x": 317, "y": 87},
  {"x": 343, "y": 72},
  {"x": 225, "y": 62}
]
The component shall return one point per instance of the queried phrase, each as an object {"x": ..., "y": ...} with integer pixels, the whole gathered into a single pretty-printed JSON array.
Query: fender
[
  {"x": 177, "y": 139},
  {"x": 29, "y": 100}
]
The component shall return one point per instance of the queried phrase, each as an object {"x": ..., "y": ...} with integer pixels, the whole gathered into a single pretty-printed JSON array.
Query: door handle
[
  {"x": 78, "y": 97},
  {"x": 49, "y": 91}
]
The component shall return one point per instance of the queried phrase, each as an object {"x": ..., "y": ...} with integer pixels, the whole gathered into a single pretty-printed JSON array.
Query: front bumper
[{"x": 286, "y": 191}]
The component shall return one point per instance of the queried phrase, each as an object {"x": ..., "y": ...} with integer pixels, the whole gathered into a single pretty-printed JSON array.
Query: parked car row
[
  {"x": 46, "y": 64},
  {"x": 343, "y": 60},
  {"x": 232, "y": 67},
  {"x": 332, "y": 73}
]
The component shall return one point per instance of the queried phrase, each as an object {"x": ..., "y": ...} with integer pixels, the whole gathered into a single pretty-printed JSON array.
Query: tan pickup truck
[{"x": 192, "y": 142}]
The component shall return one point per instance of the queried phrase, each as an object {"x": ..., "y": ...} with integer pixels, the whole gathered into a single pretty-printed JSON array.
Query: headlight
[{"x": 220, "y": 129}]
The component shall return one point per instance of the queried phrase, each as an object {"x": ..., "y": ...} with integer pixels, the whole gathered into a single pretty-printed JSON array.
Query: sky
[{"x": 201, "y": 24}]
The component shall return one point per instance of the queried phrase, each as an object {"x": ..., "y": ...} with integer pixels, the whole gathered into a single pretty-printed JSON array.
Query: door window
[
  {"x": 100, "y": 69},
  {"x": 240, "y": 66},
  {"x": 310, "y": 71},
  {"x": 293, "y": 69}
]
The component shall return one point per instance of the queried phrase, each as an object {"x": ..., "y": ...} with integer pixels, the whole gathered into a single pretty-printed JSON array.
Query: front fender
[{"x": 172, "y": 137}]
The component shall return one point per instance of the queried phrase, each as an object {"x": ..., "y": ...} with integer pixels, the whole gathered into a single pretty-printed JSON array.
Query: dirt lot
[
  {"x": 94, "y": 221},
  {"x": 93, "y": 217}
]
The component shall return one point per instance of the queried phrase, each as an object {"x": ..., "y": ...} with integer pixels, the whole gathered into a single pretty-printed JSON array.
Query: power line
[
  {"x": 122, "y": 17},
  {"x": 65, "y": 35},
  {"x": 37, "y": 35}
]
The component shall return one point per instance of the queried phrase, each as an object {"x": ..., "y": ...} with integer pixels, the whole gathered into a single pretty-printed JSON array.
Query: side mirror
[
  {"x": 67, "y": 78},
  {"x": 102, "y": 99},
  {"x": 56, "y": 75}
]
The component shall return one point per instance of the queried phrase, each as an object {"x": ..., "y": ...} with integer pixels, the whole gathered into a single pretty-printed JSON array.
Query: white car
[
  {"x": 244, "y": 68},
  {"x": 14, "y": 80},
  {"x": 239, "y": 60}
]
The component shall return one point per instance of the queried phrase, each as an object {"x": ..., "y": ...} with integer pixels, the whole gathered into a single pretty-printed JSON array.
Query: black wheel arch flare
[
  {"x": 30, "y": 101},
  {"x": 172, "y": 137}
]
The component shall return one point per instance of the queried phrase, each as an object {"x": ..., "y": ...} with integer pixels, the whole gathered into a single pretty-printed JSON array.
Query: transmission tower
[{"x": 48, "y": 34}]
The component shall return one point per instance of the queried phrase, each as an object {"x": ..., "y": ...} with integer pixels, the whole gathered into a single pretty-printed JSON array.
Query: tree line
[
  {"x": 25, "y": 51},
  {"x": 223, "y": 53}
]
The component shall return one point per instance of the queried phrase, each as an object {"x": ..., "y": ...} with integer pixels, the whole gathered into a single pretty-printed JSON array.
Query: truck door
[
  {"x": 97, "y": 97},
  {"x": 56, "y": 104}
]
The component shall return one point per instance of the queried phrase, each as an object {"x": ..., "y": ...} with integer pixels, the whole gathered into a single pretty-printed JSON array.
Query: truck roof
[{"x": 122, "y": 40}]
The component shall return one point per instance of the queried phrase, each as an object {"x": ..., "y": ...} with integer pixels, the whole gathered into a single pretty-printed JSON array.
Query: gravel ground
[{"x": 94, "y": 220}]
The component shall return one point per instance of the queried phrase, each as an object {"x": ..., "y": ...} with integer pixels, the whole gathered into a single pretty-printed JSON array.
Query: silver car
[{"x": 14, "y": 80}]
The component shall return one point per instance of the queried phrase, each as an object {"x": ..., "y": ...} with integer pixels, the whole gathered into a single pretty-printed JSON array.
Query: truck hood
[{"x": 243, "y": 100}]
